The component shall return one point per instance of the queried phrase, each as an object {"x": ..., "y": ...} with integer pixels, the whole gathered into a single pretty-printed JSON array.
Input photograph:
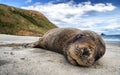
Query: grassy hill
[{"x": 17, "y": 21}]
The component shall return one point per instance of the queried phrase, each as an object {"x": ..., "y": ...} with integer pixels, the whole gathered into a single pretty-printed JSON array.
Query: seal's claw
[{"x": 27, "y": 45}]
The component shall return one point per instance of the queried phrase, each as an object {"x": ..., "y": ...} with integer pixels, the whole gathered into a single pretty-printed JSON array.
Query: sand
[{"x": 32, "y": 61}]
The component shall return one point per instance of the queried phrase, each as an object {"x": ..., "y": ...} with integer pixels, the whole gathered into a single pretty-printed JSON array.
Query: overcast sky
[{"x": 102, "y": 16}]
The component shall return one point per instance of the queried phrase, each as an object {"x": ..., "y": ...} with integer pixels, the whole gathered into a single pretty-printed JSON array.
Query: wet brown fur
[{"x": 79, "y": 47}]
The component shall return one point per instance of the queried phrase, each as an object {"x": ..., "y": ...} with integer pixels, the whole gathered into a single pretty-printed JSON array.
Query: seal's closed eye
[{"x": 77, "y": 37}]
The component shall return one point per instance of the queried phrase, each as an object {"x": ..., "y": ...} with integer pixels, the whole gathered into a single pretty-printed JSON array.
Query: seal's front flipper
[{"x": 31, "y": 45}]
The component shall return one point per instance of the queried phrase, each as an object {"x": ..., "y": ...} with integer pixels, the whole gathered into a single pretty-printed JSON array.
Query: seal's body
[{"x": 79, "y": 47}]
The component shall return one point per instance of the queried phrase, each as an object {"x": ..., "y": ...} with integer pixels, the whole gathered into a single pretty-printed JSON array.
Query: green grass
[{"x": 14, "y": 20}]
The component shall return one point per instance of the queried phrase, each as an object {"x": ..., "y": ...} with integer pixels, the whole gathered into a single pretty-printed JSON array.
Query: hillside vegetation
[{"x": 18, "y": 21}]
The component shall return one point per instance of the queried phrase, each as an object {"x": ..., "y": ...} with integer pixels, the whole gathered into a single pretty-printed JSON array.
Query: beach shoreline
[{"x": 113, "y": 43}]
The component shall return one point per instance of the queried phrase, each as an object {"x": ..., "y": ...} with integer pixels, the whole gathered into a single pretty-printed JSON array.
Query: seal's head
[{"x": 86, "y": 48}]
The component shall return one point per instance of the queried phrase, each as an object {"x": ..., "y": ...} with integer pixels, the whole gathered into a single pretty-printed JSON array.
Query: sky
[{"x": 101, "y": 16}]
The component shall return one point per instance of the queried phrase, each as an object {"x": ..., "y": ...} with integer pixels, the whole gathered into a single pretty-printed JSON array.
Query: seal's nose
[{"x": 85, "y": 52}]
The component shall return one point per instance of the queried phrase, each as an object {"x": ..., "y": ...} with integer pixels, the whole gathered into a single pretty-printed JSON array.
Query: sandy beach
[{"x": 17, "y": 60}]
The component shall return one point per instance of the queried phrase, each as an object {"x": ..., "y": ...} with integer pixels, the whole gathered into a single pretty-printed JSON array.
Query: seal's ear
[{"x": 77, "y": 37}]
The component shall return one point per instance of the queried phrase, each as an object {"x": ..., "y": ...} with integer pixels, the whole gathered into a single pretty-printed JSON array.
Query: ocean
[{"x": 111, "y": 38}]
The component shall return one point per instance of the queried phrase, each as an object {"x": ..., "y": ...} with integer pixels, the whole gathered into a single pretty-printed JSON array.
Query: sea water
[{"x": 111, "y": 38}]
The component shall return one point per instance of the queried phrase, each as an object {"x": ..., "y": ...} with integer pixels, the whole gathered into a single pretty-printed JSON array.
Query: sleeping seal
[{"x": 80, "y": 47}]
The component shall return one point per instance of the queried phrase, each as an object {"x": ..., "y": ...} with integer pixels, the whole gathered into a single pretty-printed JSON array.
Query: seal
[{"x": 80, "y": 47}]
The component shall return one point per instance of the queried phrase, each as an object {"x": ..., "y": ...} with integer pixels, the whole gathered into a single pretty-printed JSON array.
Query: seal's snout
[{"x": 86, "y": 57}]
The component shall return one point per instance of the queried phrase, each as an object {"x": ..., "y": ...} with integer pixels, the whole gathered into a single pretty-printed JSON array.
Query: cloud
[
  {"x": 28, "y": 1},
  {"x": 113, "y": 23},
  {"x": 72, "y": 15}
]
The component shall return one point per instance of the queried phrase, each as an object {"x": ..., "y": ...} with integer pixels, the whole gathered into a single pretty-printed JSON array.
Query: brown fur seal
[{"x": 79, "y": 47}]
